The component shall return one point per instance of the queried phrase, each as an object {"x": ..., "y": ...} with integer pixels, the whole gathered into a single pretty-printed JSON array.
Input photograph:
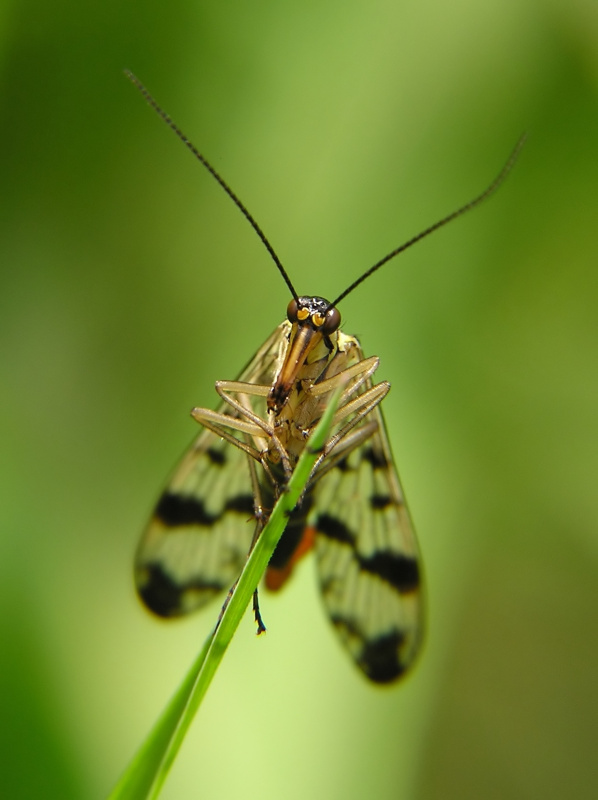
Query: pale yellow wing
[
  {"x": 199, "y": 534},
  {"x": 368, "y": 559}
]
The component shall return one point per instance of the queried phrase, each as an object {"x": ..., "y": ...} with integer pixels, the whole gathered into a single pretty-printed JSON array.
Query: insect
[{"x": 353, "y": 512}]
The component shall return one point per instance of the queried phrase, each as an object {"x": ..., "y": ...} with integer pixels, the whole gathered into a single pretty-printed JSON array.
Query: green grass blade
[{"x": 147, "y": 772}]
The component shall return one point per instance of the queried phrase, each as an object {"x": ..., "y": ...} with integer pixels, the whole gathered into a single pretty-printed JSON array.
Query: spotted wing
[
  {"x": 368, "y": 560},
  {"x": 199, "y": 535}
]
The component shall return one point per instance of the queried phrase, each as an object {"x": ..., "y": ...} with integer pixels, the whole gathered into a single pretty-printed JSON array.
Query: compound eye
[
  {"x": 332, "y": 321},
  {"x": 292, "y": 311}
]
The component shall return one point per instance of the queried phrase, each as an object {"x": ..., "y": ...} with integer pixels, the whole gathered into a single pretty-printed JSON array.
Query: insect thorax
[{"x": 301, "y": 412}]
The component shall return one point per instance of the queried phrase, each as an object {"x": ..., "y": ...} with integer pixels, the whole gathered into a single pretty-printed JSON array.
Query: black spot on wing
[
  {"x": 400, "y": 571},
  {"x": 375, "y": 457},
  {"x": 162, "y": 595},
  {"x": 175, "y": 510},
  {"x": 159, "y": 593},
  {"x": 333, "y": 528},
  {"x": 241, "y": 503},
  {"x": 380, "y": 501},
  {"x": 380, "y": 658},
  {"x": 217, "y": 457}
]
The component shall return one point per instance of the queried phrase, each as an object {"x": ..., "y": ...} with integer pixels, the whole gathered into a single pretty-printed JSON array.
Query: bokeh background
[{"x": 130, "y": 283}]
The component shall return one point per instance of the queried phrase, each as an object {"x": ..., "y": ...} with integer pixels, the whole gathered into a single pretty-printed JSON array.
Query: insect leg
[
  {"x": 362, "y": 371},
  {"x": 361, "y": 406},
  {"x": 219, "y": 423},
  {"x": 223, "y": 387},
  {"x": 346, "y": 440},
  {"x": 344, "y": 447}
]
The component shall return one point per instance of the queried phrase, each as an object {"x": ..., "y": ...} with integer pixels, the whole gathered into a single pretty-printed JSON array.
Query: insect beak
[{"x": 305, "y": 339}]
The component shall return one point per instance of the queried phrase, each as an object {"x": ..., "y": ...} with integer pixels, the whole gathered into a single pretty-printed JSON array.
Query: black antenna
[
  {"x": 467, "y": 207},
  {"x": 136, "y": 82}
]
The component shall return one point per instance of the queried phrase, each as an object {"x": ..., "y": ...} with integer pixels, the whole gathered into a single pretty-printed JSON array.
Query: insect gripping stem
[{"x": 216, "y": 503}]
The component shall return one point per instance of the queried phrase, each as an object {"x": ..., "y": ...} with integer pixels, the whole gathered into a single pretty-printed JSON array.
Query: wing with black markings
[
  {"x": 199, "y": 535},
  {"x": 368, "y": 560}
]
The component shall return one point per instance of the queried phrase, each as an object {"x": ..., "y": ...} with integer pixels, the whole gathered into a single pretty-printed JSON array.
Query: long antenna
[
  {"x": 444, "y": 221},
  {"x": 136, "y": 82},
  {"x": 467, "y": 207}
]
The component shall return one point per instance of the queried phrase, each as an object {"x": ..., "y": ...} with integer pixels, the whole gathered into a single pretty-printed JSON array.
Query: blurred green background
[{"x": 130, "y": 283}]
